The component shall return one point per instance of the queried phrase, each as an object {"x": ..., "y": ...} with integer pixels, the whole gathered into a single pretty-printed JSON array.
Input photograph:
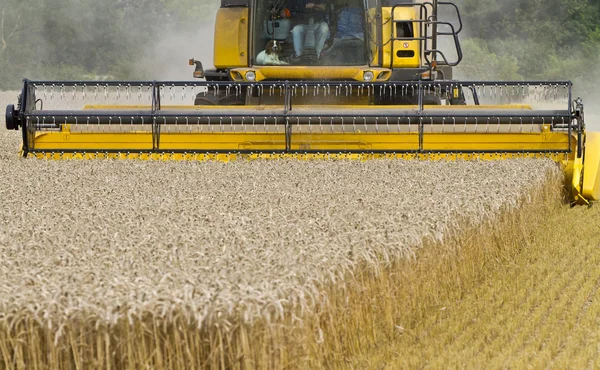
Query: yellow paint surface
[{"x": 231, "y": 38}]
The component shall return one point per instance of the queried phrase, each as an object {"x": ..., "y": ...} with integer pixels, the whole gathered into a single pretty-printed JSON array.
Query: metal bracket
[
  {"x": 287, "y": 108},
  {"x": 155, "y": 109},
  {"x": 579, "y": 117}
]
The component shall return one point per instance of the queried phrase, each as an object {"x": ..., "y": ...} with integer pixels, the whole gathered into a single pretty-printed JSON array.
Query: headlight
[
  {"x": 251, "y": 76},
  {"x": 368, "y": 76}
]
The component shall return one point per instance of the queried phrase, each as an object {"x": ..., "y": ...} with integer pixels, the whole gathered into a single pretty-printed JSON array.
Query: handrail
[{"x": 425, "y": 22}]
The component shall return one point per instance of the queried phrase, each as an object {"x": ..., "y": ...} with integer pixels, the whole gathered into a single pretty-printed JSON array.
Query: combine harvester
[{"x": 384, "y": 91}]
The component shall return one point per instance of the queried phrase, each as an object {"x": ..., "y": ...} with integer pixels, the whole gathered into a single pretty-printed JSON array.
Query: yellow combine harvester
[{"x": 359, "y": 79}]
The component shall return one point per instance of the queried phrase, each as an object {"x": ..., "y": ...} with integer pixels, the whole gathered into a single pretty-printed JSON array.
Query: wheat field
[
  {"x": 537, "y": 306},
  {"x": 262, "y": 264}
]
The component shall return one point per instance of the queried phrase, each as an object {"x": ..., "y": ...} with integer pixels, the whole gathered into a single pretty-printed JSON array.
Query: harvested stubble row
[{"x": 89, "y": 249}]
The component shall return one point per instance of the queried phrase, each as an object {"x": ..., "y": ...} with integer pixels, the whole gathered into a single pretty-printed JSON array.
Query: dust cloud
[{"x": 168, "y": 59}]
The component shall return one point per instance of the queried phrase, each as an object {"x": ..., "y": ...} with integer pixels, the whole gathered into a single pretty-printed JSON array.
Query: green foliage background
[
  {"x": 532, "y": 40},
  {"x": 88, "y": 39},
  {"x": 79, "y": 39}
]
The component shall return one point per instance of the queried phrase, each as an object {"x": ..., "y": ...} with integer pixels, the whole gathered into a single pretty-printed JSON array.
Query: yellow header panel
[
  {"x": 315, "y": 137},
  {"x": 591, "y": 169},
  {"x": 231, "y": 38}
]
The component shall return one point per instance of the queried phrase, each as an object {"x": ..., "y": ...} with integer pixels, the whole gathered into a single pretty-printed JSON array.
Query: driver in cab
[{"x": 302, "y": 11}]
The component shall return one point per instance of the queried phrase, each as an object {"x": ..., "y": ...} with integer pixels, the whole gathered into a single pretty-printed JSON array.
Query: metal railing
[{"x": 428, "y": 41}]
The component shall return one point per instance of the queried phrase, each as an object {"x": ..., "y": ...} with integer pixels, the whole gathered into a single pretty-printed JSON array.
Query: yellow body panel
[
  {"x": 231, "y": 38},
  {"x": 91, "y": 141},
  {"x": 391, "y": 48},
  {"x": 576, "y": 173},
  {"x": 295, "y": 73},
  {"x": 591, "y": 169},
  {"x": 257, "y": 141}
]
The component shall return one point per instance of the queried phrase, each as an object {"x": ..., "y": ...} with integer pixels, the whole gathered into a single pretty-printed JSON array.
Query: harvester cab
[
  {"x": 381, "y": 87},
  {"x": 332, "y": 40}
]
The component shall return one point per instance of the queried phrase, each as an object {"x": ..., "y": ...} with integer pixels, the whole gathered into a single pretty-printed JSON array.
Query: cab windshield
[{"x": 310, "y": 33}]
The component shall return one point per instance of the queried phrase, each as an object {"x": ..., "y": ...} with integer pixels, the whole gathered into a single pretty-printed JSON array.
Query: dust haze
[{"x": 168, "y": 59}]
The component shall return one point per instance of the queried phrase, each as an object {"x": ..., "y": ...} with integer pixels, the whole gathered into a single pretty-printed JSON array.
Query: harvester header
[{"x": 301, "y": 117}]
